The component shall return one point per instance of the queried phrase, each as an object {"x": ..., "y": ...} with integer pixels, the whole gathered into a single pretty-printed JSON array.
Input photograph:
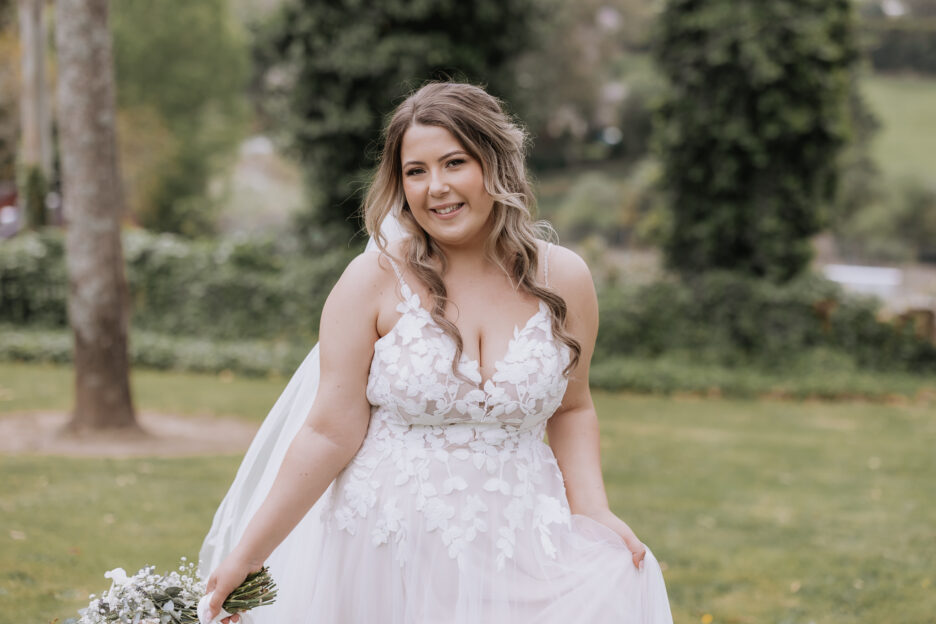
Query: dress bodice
[
  {"x": 411, "y": 375},
  {"x": 464, "y": 455}
]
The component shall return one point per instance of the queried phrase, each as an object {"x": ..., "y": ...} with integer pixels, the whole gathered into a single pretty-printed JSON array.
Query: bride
[{"x": 402, "y": 477}]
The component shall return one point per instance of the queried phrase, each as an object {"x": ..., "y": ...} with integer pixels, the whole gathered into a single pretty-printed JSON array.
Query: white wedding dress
[{"x": 453, "y": 510}]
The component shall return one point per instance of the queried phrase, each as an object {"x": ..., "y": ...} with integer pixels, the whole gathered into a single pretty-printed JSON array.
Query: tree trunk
[
  {"x": 36, "y": 120},
  {"x": 98, "y": 306},
  {"x": 34, "y": 103},
  {"x": 9, "y": 96}
]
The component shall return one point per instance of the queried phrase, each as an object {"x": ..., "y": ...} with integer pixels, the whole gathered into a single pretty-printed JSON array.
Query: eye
[
  {"x": 413, "y": 171},
  {"x": 455, "y": 162}
]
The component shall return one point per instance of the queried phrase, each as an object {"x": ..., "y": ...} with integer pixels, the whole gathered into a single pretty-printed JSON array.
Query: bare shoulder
[
  {"x": 364, "y": 273},
  {"x": 362, "y": 286},
  {"x": 569, "y": 275}
]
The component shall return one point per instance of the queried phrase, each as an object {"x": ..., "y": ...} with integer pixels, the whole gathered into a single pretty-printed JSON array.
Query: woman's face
[{"x": 444, "y": 187}]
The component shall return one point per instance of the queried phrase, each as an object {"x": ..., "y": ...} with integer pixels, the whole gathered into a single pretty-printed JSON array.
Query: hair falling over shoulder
[{"x": 477, "y": 120}]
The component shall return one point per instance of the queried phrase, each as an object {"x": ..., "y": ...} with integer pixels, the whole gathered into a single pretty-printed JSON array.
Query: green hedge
[
  {"x": 218, "y": 289},
  {"x": 731, "y": 320},
  {"x": 816, "y": 373},
  {"x": 162, "y": 351},
  {"x": 253, "y": 306},
  {"x": 33, "y": 282}
]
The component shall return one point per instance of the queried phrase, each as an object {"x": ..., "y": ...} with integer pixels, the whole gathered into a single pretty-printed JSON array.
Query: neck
[
  {"x": 468, "y": 256},
  {"x": 465, "y": 257}
]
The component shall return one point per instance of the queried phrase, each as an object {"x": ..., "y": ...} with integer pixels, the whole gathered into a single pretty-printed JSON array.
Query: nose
[{"x": 437, "y": 186}]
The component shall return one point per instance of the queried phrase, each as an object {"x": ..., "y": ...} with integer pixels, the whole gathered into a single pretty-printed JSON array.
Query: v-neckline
[{"x": 409, "y": 296}]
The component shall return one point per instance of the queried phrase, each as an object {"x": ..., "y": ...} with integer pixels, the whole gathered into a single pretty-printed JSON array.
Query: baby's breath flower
[{"x": 150, "y": 598}]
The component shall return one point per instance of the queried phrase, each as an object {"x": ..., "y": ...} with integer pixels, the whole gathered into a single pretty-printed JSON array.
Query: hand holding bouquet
[{"x": 174, "y": 598}]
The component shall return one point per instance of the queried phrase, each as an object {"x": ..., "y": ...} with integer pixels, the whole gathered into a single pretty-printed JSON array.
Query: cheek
[
  {"x": 411, "y": 192},
  {"x": 475, "y": 182},
  {"x": 481, "y": 191}
]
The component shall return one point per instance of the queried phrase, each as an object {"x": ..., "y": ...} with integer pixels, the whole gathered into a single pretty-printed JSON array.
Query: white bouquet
[{"x": 174, "y": 598}]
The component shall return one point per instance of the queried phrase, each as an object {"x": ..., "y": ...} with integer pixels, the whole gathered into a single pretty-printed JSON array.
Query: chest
[
  {"x": 412, "y": 374},
  {"x": 487, "y": 314}
]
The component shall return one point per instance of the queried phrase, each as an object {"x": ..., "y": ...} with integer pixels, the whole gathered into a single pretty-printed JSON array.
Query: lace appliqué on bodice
[{"x": 468, "y": 456}]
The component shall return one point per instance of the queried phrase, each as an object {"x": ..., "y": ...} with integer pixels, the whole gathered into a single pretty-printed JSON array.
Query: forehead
[{"x": 427, "y": 143}]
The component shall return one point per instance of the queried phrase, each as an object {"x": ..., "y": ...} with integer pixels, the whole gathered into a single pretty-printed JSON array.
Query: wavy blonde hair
[{"x": 479, "y": 123}]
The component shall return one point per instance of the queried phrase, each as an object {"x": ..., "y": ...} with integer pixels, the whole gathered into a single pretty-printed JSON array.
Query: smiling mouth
[{"x": 448, "y": 209}]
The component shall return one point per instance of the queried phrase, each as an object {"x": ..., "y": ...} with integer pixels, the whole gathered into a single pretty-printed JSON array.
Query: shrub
[
  {"x": 163, "y": 351},
  {"x": 733, "y": 320},
  {"x": 33, "y": 282},
  {"x": 818, "y": 373},
  {"x": 211, "y": 305},
  {"x": 224, "y": 290},
  {"x": 610, "y": 207}
]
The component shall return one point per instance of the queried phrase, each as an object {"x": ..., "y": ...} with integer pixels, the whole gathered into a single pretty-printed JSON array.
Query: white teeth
[{"x": 446, "y": 211}]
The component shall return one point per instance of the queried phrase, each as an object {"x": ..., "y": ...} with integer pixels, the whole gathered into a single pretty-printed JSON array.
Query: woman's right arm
[{"x": 333, "y": 431}]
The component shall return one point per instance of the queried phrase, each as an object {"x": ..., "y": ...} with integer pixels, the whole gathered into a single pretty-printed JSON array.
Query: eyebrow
[{"x": 441, "y": 158}]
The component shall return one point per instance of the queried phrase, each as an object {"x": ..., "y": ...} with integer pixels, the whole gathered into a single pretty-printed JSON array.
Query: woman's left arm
[{"x": 573, "y": 429}]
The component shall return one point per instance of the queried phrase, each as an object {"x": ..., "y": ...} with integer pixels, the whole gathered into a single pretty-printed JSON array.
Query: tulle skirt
[{"x": 587, "y": 575}]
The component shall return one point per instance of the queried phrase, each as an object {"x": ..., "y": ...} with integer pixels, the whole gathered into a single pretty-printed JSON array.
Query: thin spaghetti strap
[
  {"x": 397, "y": 270},
  {"x": 546, "y": 264}
]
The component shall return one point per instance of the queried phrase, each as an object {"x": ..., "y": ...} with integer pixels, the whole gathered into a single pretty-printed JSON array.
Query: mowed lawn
[
  {"x": 760, "y": 511},
  {"x": 905, "y": 106}
]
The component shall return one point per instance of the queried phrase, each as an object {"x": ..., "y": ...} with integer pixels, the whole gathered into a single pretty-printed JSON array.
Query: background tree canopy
[
  {"x": 750, "y": 128},
  {"x": 180, "y": 90},
  {"x": 328, "y": 71}
]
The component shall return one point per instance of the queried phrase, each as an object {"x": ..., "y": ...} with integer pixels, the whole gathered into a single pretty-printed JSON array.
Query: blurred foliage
[
  {"x": 752, "y": 122},
  {"x": 592, "y": 103},
  {"x": 817, "y": 372},
  {"x": 207, "y": 305},
  {"x": 33, "y": 196},
  {"x": 731, "y": 320},
  {"x": 904, "y": 40},
  {"x": 181, "y": 68},
  {"x": 33, "y": 280},
  {"x": 592, "y": 207},
  {"x": 859, "y": 181},
  {"x": 163, "y": 351},
  {"x": 898, "y": 225},
  {"x": 328, "y": 70},
  {"x": 883, "y": 211},
  {"x": 618, "y": 209},
  {"x": 221, "y": 289}
]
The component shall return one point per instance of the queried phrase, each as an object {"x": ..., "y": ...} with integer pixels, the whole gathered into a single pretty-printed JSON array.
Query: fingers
[
  {"x": 638, "y": 556},
  {"x": 214, "y": 605}
]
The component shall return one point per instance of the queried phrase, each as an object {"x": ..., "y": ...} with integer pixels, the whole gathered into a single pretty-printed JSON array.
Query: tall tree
[
  {"x": 36, "y": 131},
  {"x": 98, "y": 304},
  {"x": 9, "y": 94},
  {"x": 330, "y": 69},
  {"x": 754, "y": 118}
]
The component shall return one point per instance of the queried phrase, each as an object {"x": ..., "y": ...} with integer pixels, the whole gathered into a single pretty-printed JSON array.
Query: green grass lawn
[
  {"x": 51, "y": 387},
  {"x": 761, "y": 511},
  {"x": 906, "y": 108}
]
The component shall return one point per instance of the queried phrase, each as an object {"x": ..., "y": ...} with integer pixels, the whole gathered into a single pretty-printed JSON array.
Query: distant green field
[
  {"x": 761, "y": 511},
  {"x": 906, "y": 108}
]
